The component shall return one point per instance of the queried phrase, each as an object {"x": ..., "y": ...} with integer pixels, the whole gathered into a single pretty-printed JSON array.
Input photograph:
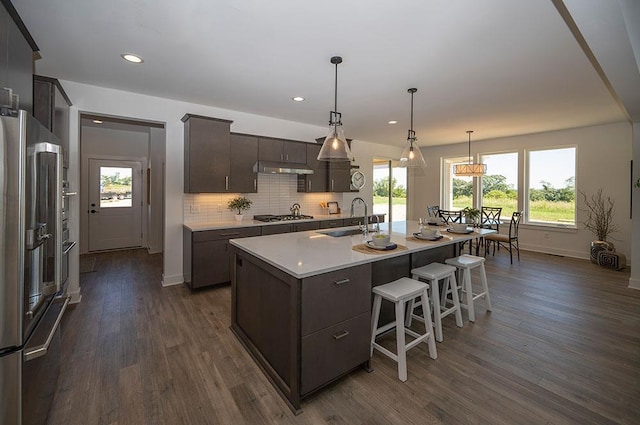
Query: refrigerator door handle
[{"x": 41, "y": 349}]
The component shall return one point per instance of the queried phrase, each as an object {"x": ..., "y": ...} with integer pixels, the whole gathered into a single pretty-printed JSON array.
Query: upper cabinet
[
  {"x": 243, "y": 156},
  {"x": 206, "y": 154},
  {"x": 216, "y": 161},
  {"x": 51, "y": 107},
  {"x": 316, "y": 182},
  {"x": 278, "y": 150},
  {"x": 16, "y": 57}
]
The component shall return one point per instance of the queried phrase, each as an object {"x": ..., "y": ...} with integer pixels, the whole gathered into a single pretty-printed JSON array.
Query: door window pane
[
  {"x": 551, "y": 190},
  {"x": 500, "y": 186},
  {"x": 115, "y": 187}
]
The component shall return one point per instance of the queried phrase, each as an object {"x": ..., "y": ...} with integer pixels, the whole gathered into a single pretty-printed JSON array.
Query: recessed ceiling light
[
  {"x": 132, "y": 58},
  {"x": 298, "y": 98},
  {"x": 97, "y": 121},
  {"x": 393, "y": 122}
]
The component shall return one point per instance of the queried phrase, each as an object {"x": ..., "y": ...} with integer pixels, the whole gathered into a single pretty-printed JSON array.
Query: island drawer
[
  {"x": 307, "y": 225},
  {"x": 331, "y": 352},
  {"x": 333, "y": 297},
  {"x": 215, "y": 235}
]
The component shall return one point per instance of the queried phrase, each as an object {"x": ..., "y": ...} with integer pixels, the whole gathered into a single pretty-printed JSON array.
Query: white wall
[
  {"x": 603, "y": 158},
  {"x": 155, "y": 208}
]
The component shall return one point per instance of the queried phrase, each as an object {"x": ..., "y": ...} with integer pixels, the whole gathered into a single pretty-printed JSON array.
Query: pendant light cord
[
  {"x": 469, "y": 133},
  {"x": 335, "y": 96}
]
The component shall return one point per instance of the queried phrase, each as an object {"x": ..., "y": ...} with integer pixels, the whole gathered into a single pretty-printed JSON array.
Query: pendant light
[
  {"x": 412, "y": 156},
  {"x": 335, "y": 147},
  {"x": 470, "y": 169}
]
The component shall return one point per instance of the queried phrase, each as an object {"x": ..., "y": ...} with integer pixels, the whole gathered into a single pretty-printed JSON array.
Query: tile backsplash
[{"x": 276, "y": 194}]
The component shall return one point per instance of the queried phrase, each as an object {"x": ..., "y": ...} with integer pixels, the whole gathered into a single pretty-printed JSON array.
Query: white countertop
[
  {"x": 304, "y": 254},
  {"x": 248, "y": 222}
]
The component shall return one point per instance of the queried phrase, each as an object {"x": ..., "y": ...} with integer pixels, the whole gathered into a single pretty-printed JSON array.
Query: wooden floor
[{"x": 561, "y": 346}]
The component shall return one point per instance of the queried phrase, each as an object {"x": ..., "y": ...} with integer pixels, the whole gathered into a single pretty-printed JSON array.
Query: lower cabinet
[
  {"x": 276, "y": 229},
  {"x": 206, "y": 255},
  {"x": 328, "y": 224}
]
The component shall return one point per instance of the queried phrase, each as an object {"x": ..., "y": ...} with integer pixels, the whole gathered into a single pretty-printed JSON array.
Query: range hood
[{"x": 281, "y": 168}]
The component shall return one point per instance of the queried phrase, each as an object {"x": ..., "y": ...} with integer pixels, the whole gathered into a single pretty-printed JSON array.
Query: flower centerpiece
[
  {"x": 599, "y": 220},
  {"x": 239, "y": 204}
]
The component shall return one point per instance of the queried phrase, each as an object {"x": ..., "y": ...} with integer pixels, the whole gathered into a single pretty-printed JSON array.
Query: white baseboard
[
  {"x": 634, "y": 283},
  {"x": 76, "y": 297},
  {"x": 172, "y": 280},
  {"x": 555, "y": 251}
]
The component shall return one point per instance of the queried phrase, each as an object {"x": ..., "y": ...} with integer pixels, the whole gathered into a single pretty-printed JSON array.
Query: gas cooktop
[{"x": 285, "y": 217}]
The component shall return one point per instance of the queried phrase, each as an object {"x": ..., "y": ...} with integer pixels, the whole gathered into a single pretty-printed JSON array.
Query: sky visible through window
[{"x": 554, "y": 166}]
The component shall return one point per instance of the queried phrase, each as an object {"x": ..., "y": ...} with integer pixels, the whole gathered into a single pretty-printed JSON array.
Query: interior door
[{"x": 115, "y": 204}]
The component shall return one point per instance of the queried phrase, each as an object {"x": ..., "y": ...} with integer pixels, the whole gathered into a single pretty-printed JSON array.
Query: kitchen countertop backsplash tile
[{"x": 276, "y": 194}]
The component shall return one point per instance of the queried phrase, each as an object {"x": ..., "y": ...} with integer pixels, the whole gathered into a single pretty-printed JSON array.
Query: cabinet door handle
[
  {"x": 341, "y": 281},
  {"x": 255, "y": 184},
  {"x": 230, "y": 234},
  {"x": 332, "y": 184},
  {"x": 286, "y": 157},
  {"x": 341, "y": 335},
  {"x": 309, "y": 186},
  {"x": 226, "y": 182}
]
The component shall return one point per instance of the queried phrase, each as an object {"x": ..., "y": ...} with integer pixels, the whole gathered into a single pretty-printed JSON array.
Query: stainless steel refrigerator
[{"x": 31, "y": 287}]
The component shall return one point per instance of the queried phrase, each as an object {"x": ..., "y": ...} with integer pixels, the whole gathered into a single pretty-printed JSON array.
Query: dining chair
[
  {"x": 508, "y": 241},
  {"x": 490, "y": 218},
  {"x": 450, "y": 216},
  {"x": 432, "y": 212}
]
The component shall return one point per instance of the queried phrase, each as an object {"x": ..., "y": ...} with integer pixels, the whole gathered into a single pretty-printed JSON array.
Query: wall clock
[{"x": 357, "y": 179}]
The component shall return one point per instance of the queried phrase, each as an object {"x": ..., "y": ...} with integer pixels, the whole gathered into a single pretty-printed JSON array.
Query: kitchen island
[{"x": 301, "y": 302}]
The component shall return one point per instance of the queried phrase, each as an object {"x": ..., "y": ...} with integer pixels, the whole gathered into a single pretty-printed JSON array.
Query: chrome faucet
[
  {"x": 365, "y": 229},
  {"x": 377, "y": 228}
]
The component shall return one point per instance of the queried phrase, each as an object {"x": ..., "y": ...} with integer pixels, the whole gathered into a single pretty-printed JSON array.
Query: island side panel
[{"x": 265, "y": 316}]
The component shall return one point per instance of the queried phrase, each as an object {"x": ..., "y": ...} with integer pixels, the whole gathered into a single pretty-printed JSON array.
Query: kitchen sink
[{"x": 345, "y": 232}]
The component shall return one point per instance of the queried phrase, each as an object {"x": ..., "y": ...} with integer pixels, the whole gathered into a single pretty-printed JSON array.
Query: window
[
  {"x": 500, "y": 184},
  {"x": 457, "y": 191},
  {"x": 115, "y": 187},
  {"x": 551, "y": 187},
  {"x": 392, "y": 202}
]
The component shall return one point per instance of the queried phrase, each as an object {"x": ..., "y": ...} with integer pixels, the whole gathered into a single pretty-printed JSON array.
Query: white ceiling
[{"x": 499, "y": 67}]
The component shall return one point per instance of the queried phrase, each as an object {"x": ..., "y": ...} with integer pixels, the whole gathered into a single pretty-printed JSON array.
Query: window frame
[{"x": 527, "y": 186}]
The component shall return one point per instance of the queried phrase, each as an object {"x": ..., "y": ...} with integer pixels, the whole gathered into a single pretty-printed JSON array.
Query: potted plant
[
  {"x": 239, "y": 204},
  {"x": 472, "y": 216},
  {"x": 599, "y": 219}
]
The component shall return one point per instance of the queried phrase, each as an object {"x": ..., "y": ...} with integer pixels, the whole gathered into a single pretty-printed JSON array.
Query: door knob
[{"x": 94, "y": 212}]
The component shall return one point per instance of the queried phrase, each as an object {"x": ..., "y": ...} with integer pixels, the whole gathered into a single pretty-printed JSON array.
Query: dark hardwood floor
[{"x": 561, "y": 346}]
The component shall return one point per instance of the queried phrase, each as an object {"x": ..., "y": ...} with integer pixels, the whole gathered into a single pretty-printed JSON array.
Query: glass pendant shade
[
  {"x": 412, "y": 156},
  {"x": 335, "y": 146},
  {"x": 470, "y": 169}
]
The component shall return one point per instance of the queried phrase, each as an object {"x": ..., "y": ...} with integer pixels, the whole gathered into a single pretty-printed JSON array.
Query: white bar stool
[
  {"x": 398, "y": 292},
  {"x": 433, "y": 273},
  {"x": 465, "y": 263}
]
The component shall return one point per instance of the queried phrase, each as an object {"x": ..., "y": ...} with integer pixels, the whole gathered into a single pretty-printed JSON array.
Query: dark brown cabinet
[
  {"x": 308, "y": 225},
  {"x": 276, "y": 229},
  {"x": 339, "y": 177},
  {"x": 206, "y": 255},
  {"x": 51, "y": 107},
  {"x": 242, "y": 157},
  {"x": 206, "y": 154},
  {"x": 328, "y": 224},
  {"x": 16, "y": 57},
  {"x": 316, "y": 182},
  {"x": 278, "y": 150},
  {"x": 215, "y": 160}
]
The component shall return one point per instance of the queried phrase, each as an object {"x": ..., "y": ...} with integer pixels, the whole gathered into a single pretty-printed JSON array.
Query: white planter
[{"x": 239, "y": 217}]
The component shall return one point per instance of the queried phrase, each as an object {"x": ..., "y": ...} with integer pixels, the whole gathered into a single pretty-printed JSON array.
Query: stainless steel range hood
[{"x": 281, "y": 168}]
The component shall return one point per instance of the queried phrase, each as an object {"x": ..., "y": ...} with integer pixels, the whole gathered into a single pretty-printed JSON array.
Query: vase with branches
[{"x": 599, "y": 211}]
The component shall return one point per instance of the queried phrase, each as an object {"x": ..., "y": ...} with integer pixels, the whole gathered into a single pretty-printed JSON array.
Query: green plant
[
  {"x": 239, "y": 203},
  {"x": 472, "y": 214},
  {"x": 599, "y": 213}
]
